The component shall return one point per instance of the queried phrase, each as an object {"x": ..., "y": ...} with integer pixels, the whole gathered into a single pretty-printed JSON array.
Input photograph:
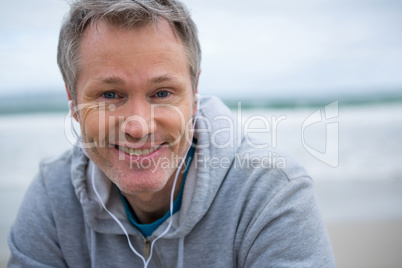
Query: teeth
[{"x": 138, "y": 152}]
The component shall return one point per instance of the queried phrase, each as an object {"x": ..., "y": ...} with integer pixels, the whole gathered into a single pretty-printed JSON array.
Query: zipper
[
  {"x": 147, "y": 248},
  {"x": 147, "y": 252}
]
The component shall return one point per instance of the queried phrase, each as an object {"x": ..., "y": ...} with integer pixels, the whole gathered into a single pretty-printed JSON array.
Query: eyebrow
[
  {"x": 163, "y": 78},
  {"x": 112, "y": 80}
]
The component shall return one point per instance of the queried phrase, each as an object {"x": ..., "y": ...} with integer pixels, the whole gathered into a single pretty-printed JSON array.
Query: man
[{"x": 141, "y": 188}]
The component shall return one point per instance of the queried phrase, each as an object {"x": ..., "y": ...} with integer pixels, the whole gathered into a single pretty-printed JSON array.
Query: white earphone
[{"x": 198, "y": 99}]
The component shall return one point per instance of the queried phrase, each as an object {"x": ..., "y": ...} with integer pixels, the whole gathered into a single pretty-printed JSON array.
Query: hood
[{"x": 216, "y": 139}]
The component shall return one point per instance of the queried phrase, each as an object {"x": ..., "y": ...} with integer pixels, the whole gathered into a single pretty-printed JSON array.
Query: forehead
[
  {"x": 141, "y": 36},
  {"x": 140, "y": 51}
]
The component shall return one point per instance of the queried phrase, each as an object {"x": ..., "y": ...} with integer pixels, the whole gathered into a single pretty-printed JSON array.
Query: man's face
[{"x": 135, "y": 93}]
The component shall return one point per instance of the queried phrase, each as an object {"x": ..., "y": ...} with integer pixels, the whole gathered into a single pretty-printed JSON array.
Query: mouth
[{"x": 138, "y": 152}]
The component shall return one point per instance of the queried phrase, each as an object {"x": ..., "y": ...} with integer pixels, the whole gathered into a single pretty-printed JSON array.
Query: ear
[
  {"x": 72, "y": 107},
  {"x": 196, "y": 101}
]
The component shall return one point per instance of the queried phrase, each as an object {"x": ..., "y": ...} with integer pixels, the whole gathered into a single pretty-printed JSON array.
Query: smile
[{"x": 138, "y": 152}]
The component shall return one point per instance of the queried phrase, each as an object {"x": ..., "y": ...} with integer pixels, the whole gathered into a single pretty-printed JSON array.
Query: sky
[{"x": 259, "y": 48}]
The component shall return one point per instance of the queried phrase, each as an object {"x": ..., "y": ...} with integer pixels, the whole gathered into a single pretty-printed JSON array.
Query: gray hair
[{"x": 127, "y": 14}]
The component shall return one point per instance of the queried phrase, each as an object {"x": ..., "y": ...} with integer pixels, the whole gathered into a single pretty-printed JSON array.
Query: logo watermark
[
  {"x": 231, "y": 133},
  {"x": 330, "y": 117}
]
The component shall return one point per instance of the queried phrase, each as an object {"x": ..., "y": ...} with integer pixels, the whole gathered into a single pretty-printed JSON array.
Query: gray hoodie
[{"x": 234, "y": 213}]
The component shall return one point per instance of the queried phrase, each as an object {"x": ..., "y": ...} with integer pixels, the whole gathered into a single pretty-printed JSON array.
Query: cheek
[
  {"x": 177, "y": 124},
  {"x": 173, "y": 119},
  {"x": 93, "y": 123}
]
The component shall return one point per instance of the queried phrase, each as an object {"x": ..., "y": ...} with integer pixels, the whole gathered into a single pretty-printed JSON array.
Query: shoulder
[
  {"x": 55, "y": 176},
  {"x": 52, "y": 188},
  {"x": 268, "y": 186},
  {"x": 49, "y": 222},
  {"x": 265, "y": 183},
  {"x": 269, "y": 168},
  {"x": 56, "y": 166},
  {"x": 35, "y": 226},
  {"x": 52, "y": 185},
  {"x": 280, "y": 211}
]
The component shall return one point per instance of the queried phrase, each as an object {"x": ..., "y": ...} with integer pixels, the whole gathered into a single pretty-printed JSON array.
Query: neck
[{"x": 151, "y": 206}]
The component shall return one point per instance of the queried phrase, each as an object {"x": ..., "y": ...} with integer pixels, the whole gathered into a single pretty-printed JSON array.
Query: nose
[{"x": 138, "y": 122}]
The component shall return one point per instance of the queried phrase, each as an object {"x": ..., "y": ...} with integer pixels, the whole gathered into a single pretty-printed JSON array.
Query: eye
[
  {"x": 162, "y": 94},
  {"x": 109, "y": 95}
]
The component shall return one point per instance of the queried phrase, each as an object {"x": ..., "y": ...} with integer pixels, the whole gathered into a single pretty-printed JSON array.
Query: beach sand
[
  {"x": 376, "y": 244},
  {"x": 364, "y": 221}
]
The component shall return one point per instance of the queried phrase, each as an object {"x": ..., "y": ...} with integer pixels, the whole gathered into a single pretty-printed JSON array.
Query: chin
[{"x": 141, "y": 183}]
